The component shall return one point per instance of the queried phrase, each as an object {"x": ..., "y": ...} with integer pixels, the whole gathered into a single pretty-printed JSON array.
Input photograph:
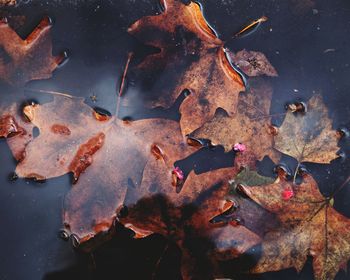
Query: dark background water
[{"x": 94, "y": 34}]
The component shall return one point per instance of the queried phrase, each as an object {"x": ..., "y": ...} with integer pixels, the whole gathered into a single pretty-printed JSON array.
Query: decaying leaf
[
  {"x": 308, "y": 137},
  {"x": 25, "y": 60},
  {"x": 191, "y": 57},
  {"x": 16, "y": 129},
  {"x": 253, "y": 63},
  {"x": 249, "y": 126},
  {"x": 105, "y": 155},
  {"x": 188, "y": 215},
  {"x": 310, "y": 227}
]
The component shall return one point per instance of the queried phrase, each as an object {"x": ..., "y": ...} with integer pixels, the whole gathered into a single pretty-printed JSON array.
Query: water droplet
[
  {"x": 3, "y": 20},
  {"x": 123, "y": 212},
  {"x": 282, "y": 171},
  {"x": 127, "y": 119},
  {"x": 297, "y": 107},
  {"x": 26, "y": 109},
  {"x": 302, "y": 170},
  {"x": 343, "y": 132},
  {"x": 74, "y": 239},
  {"x": 237, "y": 222},
  {"x": 239, "y": 189},
  {"x": 13, "y": 176},
  {"x": 63, "y": 235},
  {"x": 157, "y": 151},
  {"x": 62, "y": 58},
  {"x": 272, "y": 130},
  {"x": 342, "y": 155},
  {"x": 101, "y": 114}
]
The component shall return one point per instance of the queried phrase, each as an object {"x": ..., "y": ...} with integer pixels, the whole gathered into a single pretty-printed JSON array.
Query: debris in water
[{"x": 239, "y": 147}]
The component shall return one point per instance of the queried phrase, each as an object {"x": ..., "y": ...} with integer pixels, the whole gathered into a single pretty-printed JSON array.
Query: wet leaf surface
[
  {"x": 189, "y": 216},
  {"x": 17, "y": 130},
  {"x": 310, "y": 226},
  {"x": 105, "y": 155},
  {"x": 29, "y": 59},
  {"x": 191, "y": 57},
  {"x": 308, "y": 137},
  {"x": 250, "y": 125}
]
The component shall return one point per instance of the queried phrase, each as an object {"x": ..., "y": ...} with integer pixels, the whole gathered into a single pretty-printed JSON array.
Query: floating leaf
[
  {"x": 309, "y": 227},
  {"x": 308, "y": 137},
  {"x": 249, "y": 126},
  {"x": 188, "y": 215},
  {"x": 25, "y": 60},
  {"x": 105, "y": 155},
  {"x": 191, "y": 57}
]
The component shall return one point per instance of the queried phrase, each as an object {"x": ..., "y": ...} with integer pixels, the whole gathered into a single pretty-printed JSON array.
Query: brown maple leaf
[
  {"x": 308, "y": 137},
  {"x": 29, "y": 59},
  {"x": 188, "y": 215},
  {"x": 249, "y": 126},
  {"x": 105, "y": 155},
  {"x": 310, "y": 227},
  {"x": 191, "y": 57}
]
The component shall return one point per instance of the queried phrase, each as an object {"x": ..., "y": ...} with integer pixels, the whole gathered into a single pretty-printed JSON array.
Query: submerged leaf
[{"x": 253, "y": 63}]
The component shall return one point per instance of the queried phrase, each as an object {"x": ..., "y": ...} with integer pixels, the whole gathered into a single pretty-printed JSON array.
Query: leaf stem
[
  {"x": 49, "y": 92},
  {"x": 122, "y": 83},
  {"x": 296, "y": 172}
]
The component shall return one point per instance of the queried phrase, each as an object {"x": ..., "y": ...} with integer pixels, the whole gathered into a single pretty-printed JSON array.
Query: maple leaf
[
  {"x": 310, "y": 226},
  {"x": 105, "y": 155},
  {"x": 25, "y": 60},
  {"x": 249, "y": 126},
  {"x": 191, "y": 57},
  {"x": 181, "y": 216},
  {"x": 308, "y": 137}
]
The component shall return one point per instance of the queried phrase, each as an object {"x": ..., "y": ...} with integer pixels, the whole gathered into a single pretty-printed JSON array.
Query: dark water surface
[{"x": 306, "y": 41}]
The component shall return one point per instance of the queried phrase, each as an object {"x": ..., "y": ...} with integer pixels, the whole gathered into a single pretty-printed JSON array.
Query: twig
[
  {"x": 122, "y": 83},
  {"x": 49, "y": 92}
]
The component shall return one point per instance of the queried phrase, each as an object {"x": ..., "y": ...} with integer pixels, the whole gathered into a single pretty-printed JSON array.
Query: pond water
[{"x": 306, "y": 41}]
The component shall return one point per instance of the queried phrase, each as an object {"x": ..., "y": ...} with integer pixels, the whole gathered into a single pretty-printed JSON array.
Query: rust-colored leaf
[
  {"x": 310, "y": 226},
  {"x": 29, "y": 59},
  {"x": 191, "y": 57},
  {"x": 249, "y": 126},
  {"x": 308, "y": 137},
  {"x": 182, "y": 216},
  {"x": 17, "y": 130},
  {"x": 105, "y": 155}
]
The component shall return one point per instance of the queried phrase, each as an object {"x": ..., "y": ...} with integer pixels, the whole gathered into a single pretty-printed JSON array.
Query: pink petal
[
  {"x": 287, "y": 194},
  {"x": 239, "y": 147}
]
